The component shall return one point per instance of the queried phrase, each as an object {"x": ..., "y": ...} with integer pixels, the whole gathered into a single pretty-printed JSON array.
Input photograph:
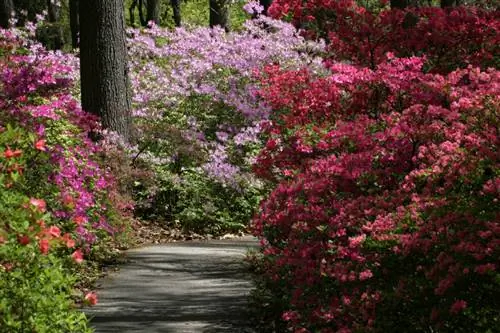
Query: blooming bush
[
  {"x": 386, "y": 210},
  {"x": 449, "y": 38},
  {"x": 198, "y": 118},
  {"x": 53, "y": 190}
]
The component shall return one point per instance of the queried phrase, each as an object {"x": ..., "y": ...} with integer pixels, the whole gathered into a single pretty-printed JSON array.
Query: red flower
[
  {"x": 40, "y": 145},
  {"x": 91, "y": 298},
  {"x": 458, "y": 306},
  {"x": 23, "y": 240},
  {"x": 68, "y": 240},
  {"x": 9, "y": 153},
  {"x": 43, "y": 244}
]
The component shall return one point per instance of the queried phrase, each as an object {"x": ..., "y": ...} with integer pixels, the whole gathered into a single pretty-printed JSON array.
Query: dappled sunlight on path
[{"x": 177, "y": 287}]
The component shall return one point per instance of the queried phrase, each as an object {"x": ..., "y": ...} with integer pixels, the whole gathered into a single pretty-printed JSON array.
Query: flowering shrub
[
  {"x": 34, "y": 288},
  {"x": 198, "y": 118},
  {"x": 386, "y": 210},
  {"x": 53, "y": 190},
  {"x": 449, "y": 38}
]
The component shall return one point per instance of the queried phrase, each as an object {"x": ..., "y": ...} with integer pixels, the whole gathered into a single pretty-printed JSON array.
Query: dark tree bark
[
  {"x": 153, "y": 11},
  {"x": 399, "y": 4},
  {"x": 131, "y": 11},
  {"x": 6, "y": 9},
  {"x": 176, "y": 7},
  {"x": 103, "y": 64},
  {"x": 219, "y": 13},
  {"x": 53, "y": 11},
  {"x": 447, "y": 3},
  {"x": 74, "y": 22},
  {"x": 266, "y": 4}
]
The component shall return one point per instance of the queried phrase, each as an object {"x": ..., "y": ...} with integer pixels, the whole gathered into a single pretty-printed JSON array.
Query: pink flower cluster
[
  {"x": 388, "y": 189},
  {"x": 36, "y": 87}
]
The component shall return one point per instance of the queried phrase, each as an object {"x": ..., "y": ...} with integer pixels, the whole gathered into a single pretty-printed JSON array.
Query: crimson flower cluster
[
  {"x": 386, "y": 205},
  {"x": 448, "y": 37}
]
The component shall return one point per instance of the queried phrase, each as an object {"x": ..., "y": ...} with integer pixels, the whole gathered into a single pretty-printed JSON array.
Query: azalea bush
[
  {"x": 449, "y": 38},
  {"x": 198, "y": 118},
  {"x": 58, "y": 203},
  {"x": 385, "y": 212}
]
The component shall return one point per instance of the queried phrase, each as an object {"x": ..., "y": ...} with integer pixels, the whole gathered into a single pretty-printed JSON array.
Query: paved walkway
[{"x": 179, "y": 288}]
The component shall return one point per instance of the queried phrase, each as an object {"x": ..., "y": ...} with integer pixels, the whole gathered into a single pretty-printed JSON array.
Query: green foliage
[
  {"x": 194, "y": 13},
  {"x": 35, "y": 286}
]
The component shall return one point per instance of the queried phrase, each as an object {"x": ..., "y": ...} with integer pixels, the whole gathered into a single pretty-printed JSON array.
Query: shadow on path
[{"x": 178, "y": 287}]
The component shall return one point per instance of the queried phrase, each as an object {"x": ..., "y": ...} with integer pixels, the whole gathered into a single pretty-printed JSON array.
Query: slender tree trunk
[
  {"x": 447, "y": 3},
  {"x": 74, "y": 22},
  {"x": 176, "y": 6},
  {"x": 143, "y": 20},
  {"x": 6, "y": 9},
  {"x": 219, "y": 13},
  {"x": 153, "y": 11},
  {"x": 52, "y": 11},
  {"x": 399, "y": 4},
  {"x": 103, "y": 64}
]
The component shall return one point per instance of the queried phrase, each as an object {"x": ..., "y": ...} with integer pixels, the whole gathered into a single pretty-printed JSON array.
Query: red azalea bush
[
  {"x": 449, "y": 38},
  {"x": 386, "y": 213}
]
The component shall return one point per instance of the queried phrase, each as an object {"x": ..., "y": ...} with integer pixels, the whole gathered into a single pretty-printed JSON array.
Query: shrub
[
  {"x": 54, "y": 204},
  {"x": 449, "y": 38},
  {"x": 198, "y": 118},
  {"x": 386, "y": 210}
]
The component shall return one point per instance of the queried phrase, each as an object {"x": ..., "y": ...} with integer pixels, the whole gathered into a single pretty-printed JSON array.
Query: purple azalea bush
[{"x": 198, "y": 116}]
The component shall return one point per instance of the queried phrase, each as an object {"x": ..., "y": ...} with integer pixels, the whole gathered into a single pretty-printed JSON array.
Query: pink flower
[
  {"x": 365, "y": 275},
  {"x": 53, "y": 231},
  {"x": 91, "y": 298},
  {"x": 39, "y": 204},
  {"x": 77, "y": 256}
]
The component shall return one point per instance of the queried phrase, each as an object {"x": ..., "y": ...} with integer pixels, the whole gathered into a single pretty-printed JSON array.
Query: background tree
[
  {"x": 74, "y": 22},
  {"x": 219, "y": 13},
  {"x": 51, "y": 33},
  {"x": 153, "y": 11},
  {"x": 176, "y": 7},
  {"x": 449, "y": 3},
  {"x": 399, "y": 4},
  {"x": 103, "y": 64},
  {"x": 6, "y": 9}
]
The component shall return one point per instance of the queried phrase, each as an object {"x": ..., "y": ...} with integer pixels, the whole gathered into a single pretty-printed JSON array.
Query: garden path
[{"x": 185, "y": 287}]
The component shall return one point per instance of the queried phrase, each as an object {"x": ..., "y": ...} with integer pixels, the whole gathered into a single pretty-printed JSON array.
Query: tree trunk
[
  {"x": 103, "y": 64},
  {"x": 219, "y": 13},
  {"x": 143, "y": 20},
  {"x": 74, "y": 22},
  {"x": 399, "y": 4},
  {"x": 153, "y": 11},
  {"x": 6, "y": 9},
  {"x": 176, "y": 6},
  {"x": 52, "y": 11},
  {"x": 266, "y": 4},
  {"x": 447, "y": 3}
]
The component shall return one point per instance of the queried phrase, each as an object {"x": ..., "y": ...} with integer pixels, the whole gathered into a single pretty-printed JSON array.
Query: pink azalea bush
[
  {"x": 57, "y": 200},
  {"x": 385, "y": 212}
]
